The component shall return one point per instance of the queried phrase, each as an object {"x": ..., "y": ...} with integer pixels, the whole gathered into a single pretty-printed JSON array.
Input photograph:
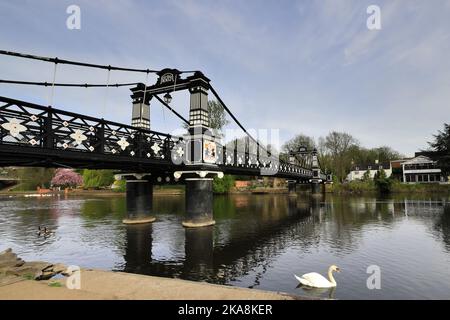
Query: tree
[
  {"x": 223, "y": 185},
  {"x": 441, "y": 144},
  {"x": 31, "y": 178},
  {"x": 337, "y": 146},
  {"x": 382, "y": 182},
  {"x": 66, "y": 178},
  {"x": 98, "y": 178},
  {"x": 366, "y": 176},
  {"x": 385, "y": 154},
  {"x": 217, "y": 117},
  {"x": 300, "y": 140},
  {"x": 441, "y": 141}
]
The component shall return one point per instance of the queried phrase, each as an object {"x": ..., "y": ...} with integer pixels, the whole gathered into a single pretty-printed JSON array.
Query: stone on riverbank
[
  {"x": 9, "y": 259},
  {"x": 11, "y": 265}
]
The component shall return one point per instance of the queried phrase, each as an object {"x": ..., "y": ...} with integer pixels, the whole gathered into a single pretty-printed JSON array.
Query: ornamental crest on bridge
[{"x": 168, "y": 76}]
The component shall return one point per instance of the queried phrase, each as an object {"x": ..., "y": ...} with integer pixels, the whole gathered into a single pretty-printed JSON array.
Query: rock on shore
[{"x": 12, "y": 265}]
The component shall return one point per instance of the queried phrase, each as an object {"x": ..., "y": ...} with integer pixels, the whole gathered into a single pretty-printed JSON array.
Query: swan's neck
[{"x": 330, "y": 276}]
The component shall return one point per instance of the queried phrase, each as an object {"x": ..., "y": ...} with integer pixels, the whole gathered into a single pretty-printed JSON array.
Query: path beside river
[{"x": 107, "y": 285}]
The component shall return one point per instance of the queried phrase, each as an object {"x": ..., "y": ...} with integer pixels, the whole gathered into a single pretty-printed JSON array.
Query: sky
[{"x": 307, "y": 67}]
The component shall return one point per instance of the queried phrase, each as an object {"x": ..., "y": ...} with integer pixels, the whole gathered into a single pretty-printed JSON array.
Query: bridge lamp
[{"x": 167, "y": 98}]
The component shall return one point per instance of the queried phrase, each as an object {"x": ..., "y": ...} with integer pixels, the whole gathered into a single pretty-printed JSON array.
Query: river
[{"x": 259, "y": 241}]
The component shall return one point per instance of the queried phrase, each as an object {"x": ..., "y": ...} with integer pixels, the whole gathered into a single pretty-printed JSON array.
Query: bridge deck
[{"x": 36, "y": 135}]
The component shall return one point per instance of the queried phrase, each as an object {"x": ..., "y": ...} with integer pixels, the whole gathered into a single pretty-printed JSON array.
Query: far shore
[
  {"x": 167, "y": 191},
  {"x": 156, "y": 191}
]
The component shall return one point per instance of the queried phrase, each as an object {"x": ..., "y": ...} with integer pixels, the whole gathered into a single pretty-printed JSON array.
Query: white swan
[{"x": 316, "y": 280}]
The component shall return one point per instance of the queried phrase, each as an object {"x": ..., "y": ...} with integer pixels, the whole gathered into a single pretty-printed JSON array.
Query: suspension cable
[
  {"x": 85, "y": 85},
  {"x": 53, "y": 85},
  {"x": 105, "y": 97},
  {"x": 77, "y": 63},
  {"x": 235, "y": 119},
  {"x": 168, "y": 107},
  {"x": 145, "y": 94},
  {"x": 239, "y": 124}
]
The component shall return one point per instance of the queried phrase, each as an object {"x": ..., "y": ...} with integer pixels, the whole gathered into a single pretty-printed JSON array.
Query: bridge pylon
[
  {"x": 292, "y": 186},
  {"x": 316, "y": 180},
  {"x": 139, "y": 198}
]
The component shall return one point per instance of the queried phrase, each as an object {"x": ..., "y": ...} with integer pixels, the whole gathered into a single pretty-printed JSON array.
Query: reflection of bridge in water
[{"x": 236, "y": 256}]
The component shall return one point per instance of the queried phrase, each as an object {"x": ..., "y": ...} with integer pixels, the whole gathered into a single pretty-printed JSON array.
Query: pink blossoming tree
[{"x": 66, "y": 178}]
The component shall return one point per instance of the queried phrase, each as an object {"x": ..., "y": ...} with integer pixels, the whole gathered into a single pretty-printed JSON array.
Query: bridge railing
[
  {"x": 244, "y": 158},
  {"x": 34, "y": 126},
  {"x": 37, "y": 126}
]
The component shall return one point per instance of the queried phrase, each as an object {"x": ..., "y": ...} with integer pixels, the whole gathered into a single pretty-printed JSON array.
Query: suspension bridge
[{"x": 35, "y": 135}]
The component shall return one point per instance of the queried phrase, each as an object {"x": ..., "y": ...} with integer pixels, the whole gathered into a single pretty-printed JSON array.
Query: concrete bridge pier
[
  {"x": 199, "y": 197},
  {"x": 316, "y": 187},
  {"x": 139, "y": 198},
  {"x": 292, "y": 187}
]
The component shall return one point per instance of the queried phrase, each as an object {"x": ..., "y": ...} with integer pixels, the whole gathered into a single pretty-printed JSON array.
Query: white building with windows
[
  {"x": 358, "y": 171},
  {"x": 422, "y": 169}
]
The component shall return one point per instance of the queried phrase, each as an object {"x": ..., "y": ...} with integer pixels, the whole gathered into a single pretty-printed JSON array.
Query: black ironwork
[{"x": 36, "y": 135}]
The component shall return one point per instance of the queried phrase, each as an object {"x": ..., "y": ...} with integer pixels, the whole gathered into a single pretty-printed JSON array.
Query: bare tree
[
  {"x": 298, "y": 141},
  {"x": 338, "y": 145}
]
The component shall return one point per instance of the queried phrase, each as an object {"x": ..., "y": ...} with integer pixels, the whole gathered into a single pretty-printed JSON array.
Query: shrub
[
  {"x": 223, "y": 185},
  {"x": 382, "y": 182}
]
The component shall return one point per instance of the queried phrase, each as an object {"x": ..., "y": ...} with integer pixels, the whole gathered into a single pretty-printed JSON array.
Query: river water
[{"x": 259, "y": 241}]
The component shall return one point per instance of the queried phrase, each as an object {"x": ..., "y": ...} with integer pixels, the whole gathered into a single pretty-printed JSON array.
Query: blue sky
[{"x": 298, "y": 66}]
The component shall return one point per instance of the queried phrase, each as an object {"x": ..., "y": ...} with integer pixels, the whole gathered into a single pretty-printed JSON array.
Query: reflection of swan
[
  {"x": 316, "y": 280},
  {"x": 318, "y": 292}
]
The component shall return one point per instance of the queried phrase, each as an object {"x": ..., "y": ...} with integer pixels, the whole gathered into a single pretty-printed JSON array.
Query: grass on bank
[{"x": 394, "y": 186}]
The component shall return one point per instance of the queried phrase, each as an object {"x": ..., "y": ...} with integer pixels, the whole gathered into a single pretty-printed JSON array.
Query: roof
[
  {"x": 373, "y": 166},
  {"x": 419, "y": 159}
]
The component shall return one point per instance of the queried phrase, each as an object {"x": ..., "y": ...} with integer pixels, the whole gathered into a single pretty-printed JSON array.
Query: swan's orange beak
[{"x": 338, "y": 270}]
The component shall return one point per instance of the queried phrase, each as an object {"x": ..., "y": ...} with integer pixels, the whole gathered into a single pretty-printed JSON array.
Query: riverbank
[
  {"x": 45, "y": 281},
  {"x": 107, "y": 285},
  {"x": 81, "y": 192},
  {"x": 369, "y": 187},
  {"x": 156, "y": 191},
  {"x": 356, "y": 187}
]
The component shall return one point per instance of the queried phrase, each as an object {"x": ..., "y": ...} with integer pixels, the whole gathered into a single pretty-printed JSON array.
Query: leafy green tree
[
  {"x": 31, "y": 178},
  {"x": 97, "y": 178},
  {"x": 441, "y": 144}
]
